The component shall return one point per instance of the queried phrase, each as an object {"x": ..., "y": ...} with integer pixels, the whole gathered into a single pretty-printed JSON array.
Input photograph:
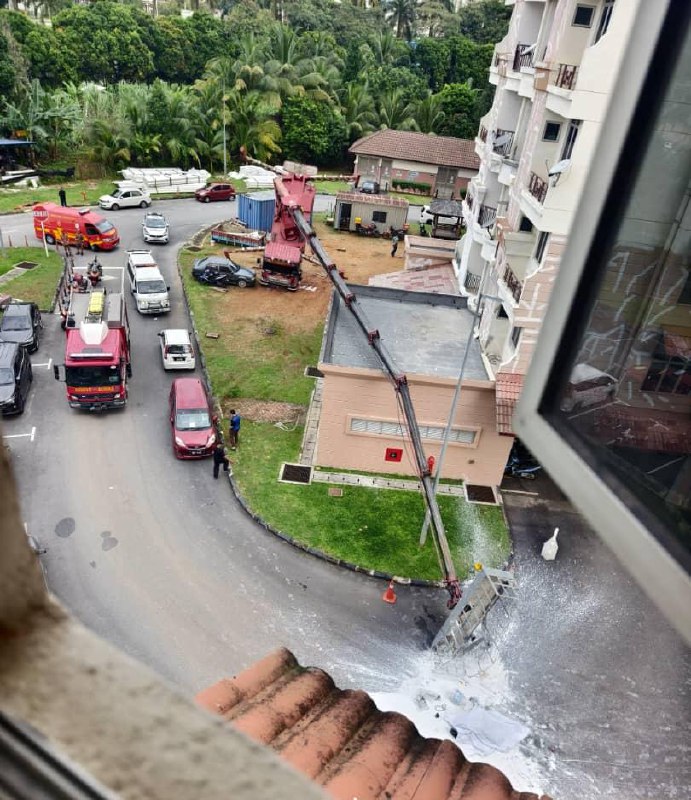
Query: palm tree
[
  {"x": 428, "y": 114},
  {"x": 386, "y": 48},
  {"x": 395, "y": 113},
  {"x": 401, "y": 15},
  {"x": 108, "y": 144},
  {"x": 358, "y": 110},
  {"x": 252, "y": 126}
]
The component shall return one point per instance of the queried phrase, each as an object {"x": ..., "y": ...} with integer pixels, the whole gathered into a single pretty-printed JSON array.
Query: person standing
[
  {"x": 62, "y": 194},
  {"x": 394, "y": 243},
  {"x": 80, "y": 244},
  {"x": 220, "y": 457},
  {"x": 234, "y": 429}
]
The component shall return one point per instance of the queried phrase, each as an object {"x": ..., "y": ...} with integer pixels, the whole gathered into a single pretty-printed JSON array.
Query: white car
[
  {"x": 155, "y": 228},
  {"x": 125, "y": 198},
  {"x": 426, "y": 218},
  {"x": 176, "y": 349}
]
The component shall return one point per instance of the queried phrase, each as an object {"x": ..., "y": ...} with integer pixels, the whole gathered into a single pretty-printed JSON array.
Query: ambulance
[{"x": 55, "y": 223}]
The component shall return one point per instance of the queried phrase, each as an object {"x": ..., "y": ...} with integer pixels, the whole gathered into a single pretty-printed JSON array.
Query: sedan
[
  {"x": 217, "y": 271},
  {"x": 125, "y": 198},
  {"x": 155, "y": 228},
  {"x": 21, "y": 324},
  {"x": 216, "y": 191}
]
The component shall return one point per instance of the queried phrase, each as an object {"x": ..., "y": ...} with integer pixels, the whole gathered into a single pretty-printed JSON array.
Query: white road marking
[
  {"x": 20, "y": 435},
  {"x": 33, "y": 433},
  {"x": 46, "y": 364}
]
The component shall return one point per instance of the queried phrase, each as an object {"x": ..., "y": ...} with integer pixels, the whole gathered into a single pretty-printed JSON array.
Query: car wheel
[
  {"x": 50, "y": 239},
  {"x": 207, "y": 199},
  {"x": 242, "y": 283},
  {"x": 115, "y": 207},
  {"x": 144, "y": 204}
]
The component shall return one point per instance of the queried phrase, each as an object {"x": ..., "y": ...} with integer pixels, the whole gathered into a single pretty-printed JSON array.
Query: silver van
[{"x": 149, "y": 290}]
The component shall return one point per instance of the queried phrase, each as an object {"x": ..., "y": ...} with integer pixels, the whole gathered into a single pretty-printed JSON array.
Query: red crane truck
[{"x": 97, "y": 351}]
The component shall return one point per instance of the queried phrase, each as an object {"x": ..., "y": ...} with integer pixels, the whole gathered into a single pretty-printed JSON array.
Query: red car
[
  {"x": 217, "y": 191},
  {"x": 192, "y": 422}
]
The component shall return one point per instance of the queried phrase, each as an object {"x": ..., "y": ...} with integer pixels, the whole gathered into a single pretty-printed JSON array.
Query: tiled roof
[
  {"x": 445, "y": 151},
  {"x": 435, "y": 279},
  {"x": 507, "y": 390},
  {"x": 342, "y": 741}
]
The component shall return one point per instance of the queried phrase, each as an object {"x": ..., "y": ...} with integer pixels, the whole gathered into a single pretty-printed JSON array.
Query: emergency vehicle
[
  {"x": 97, "y": 350},
  {"x": 55, "y": 223}
]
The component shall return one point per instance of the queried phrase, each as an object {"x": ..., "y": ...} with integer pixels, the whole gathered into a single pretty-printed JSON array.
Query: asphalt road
[{"x": 158, "y": 558}]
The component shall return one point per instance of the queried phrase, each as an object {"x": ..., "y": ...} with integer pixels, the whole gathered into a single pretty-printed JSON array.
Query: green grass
[
  {"x": 375, "y": 528},
  {"x": 251, "y": 358},
  {"x": 332, "y": 187},
  {"x": 37, "y": 285},
  {"x": 78, "y": 194}
]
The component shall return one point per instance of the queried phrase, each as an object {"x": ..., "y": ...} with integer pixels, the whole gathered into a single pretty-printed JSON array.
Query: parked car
[
  {"x": 176, "y": 349},
  {"x": 21, "y": 323},
  {"x": 216, "y": 191},
  {"x": 155, "y": 228},
  {"x": 218, "y": 271},
  {"x": 125, "y": 198},
  {"x": 426, "y": 216},
  {"x": 192, "y": 422},
  {"x": 369, "y": 187},
  {"x": 15, "y": 378}
]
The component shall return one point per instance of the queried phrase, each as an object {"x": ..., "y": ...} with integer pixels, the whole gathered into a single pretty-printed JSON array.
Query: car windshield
[
  {"x": 104, "y": 226},
  {"x": 150, "y": 287},
  {"x": 178, "y": 349},
  {"x": 117, "y": 193},
  {"x": 92, "y": 376},
  {"x": 12, "y": 322},
  {"x": 192, "y": 419},
  {"x": 155, "y": 222},
  {"x": 6, "y": 376}
]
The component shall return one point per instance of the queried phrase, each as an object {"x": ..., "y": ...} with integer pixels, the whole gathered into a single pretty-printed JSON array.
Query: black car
[
  {"x": 369, "y": 187},
  {"x": 15, "y": 378},
  {"x": 217, "y": 271},
  {"x": 21, "y": 323}
]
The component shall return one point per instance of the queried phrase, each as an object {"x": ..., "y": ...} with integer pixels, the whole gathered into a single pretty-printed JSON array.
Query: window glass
[
  {"x": 397, "y": 430},
  {"x": 605, "y": 16},
  {"x": 570, "y": 138},
  {"x": 525, "y": 225},
  {"x": 551, "y": 133},
  {"x": 379, "y": 216},
  {"x": 542, "y": 240},
  {"x": 584, "y": 16}
]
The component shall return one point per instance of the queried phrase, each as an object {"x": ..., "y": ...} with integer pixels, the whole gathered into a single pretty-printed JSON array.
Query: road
[{"x": 159, "y": 559}]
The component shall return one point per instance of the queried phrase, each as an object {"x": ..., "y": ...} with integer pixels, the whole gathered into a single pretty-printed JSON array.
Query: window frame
[
  {"x": 573, "y": 128},
  {"x": 592, "y": 10},
  {"x": 402, "y": 434},
  {"x": 544, "y": 131},
  {"x": 379, "y": 213},
  {"x": 628, "y": 527}
]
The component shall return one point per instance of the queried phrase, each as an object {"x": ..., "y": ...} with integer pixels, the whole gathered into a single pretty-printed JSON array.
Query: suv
[
  {"x": 369, "y": 187},
  {"x": 192, "y": 423},
  {"x": 21, "y": 323},
  {"x": 155, "y": 228},
  {"x": 15, "y": 378},
  {"x": 217, "y": 271},
  {"x": 125, "y": 198},
  {"x": 217, "y": 191}
]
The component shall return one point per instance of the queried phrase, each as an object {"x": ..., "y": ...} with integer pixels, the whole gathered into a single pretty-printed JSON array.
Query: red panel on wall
[{"x": 393, "y": 454}]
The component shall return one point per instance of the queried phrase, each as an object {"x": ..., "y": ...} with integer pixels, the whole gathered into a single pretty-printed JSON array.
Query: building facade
[{"x": 554, "y": 72}]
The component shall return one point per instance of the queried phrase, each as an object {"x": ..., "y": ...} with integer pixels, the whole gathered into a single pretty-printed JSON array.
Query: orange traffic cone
[{"x": 389, "y": 595}]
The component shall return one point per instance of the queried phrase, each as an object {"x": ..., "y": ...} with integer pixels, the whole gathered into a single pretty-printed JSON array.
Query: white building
[{"x": 554, "y": 72}]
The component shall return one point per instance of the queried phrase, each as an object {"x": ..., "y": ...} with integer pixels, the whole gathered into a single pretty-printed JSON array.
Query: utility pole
[{"x": 225, "y": 155}]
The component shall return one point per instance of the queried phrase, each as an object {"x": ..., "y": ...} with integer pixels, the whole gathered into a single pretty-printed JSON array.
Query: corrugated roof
[
  {"x": 371, "y": 199},
  {"x": 277, "y": 251},
  {"x": 445, "y": 151},
  {"x": 507, "y": 391},
  {"x": 342, "y": 741}
]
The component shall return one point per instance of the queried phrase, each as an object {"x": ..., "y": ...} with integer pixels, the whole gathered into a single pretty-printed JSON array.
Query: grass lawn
[
  {"x": 37, "y": 285},
  {"x": 79, "y": 193},
  {"x": 375, "y": 528}
]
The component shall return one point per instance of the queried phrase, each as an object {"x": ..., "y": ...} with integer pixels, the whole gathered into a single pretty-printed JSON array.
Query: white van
[{"x": 149, "y": 290}]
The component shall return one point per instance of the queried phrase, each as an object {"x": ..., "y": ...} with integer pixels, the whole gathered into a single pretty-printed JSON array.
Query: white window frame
[
  {"x": 658, "y": 574},
  {"x": 401, "y": 431},
  {"x": 544, "y": 131},
  {"x": 593, "y": 10}
]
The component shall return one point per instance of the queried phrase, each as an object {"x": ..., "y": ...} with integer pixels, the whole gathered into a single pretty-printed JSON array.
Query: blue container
[{"x": 257, "y": 210}]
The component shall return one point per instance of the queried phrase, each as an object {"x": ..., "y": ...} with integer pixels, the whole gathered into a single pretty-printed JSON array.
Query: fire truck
[{"x": 97, "y": 350}]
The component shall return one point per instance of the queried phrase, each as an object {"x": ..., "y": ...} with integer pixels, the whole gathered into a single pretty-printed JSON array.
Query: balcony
[
  {"x": 513, "y": 284},
  {"x": 486, "y": 216},
  {"x": 566, "y": 76},
  {"x": 523, "y": 57},
  {"x": 537, "y": 187},
  {"x": 503, "y": 142}
]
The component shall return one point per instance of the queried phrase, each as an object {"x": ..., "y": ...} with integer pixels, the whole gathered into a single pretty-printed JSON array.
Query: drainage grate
[
  {"x": 480, "y": 494},
  {"x": 25, "y": 265},
  {"x": 313, "y": 372},
  {"x": 295, "y": 473}
]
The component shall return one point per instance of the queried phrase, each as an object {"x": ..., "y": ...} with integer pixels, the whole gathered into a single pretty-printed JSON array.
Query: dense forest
[{"x": 107, "y": 84}]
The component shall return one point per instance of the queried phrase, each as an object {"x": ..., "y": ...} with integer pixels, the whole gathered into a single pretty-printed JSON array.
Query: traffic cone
[{"x": 389, "y": 595}]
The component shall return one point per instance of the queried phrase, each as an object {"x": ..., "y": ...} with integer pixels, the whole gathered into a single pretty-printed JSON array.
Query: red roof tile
[
  {"x": 507, "y": 391},
  {"x": 445, "y": 151},
  {"x": 343, "y": 742}
]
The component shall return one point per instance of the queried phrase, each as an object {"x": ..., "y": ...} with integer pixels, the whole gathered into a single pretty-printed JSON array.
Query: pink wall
[{"x": 367, "y": 394}]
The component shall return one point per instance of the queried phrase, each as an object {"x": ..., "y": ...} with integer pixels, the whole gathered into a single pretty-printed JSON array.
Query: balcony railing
[
  {"x": 513, "y": 284},
  {"x": 487, "y": 216},
  {"x": 483, "y": 133},
  {"x": 503, "y": 142},
  {"x": 523, "y": 57},
  {"x": 566, "y": 76},
  {"x": 472, "y": 282},
  {"x": 537, "y": 187}
]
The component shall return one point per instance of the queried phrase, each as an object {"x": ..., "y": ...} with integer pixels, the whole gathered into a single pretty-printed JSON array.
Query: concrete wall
[{"x": 367, "y": 394}]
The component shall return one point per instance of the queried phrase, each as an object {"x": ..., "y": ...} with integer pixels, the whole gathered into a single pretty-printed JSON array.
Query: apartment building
[{"x": 554, "y": 72}]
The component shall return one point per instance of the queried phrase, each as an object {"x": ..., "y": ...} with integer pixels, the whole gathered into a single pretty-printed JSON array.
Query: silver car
[{"x": 155, "y": 228}]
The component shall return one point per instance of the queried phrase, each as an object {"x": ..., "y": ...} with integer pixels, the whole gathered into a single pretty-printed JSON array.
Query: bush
[{"x": 411, "y": 186}]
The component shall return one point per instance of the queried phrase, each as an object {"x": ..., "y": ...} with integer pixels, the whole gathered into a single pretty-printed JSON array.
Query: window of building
[
  {"x": 379, "y": 216},
  {"x": 434, "y": 433},
  {"x": 605, "y": 16},
  {"x": 542, "y": 240},
  {"x": 551, "y": 132},
  {"x": 501, "y": 312},
  {"x": 525, "y": 225},
  {"x": 516, "y": 336},
  {"x": 583, "y": 18},
  {"x": 570, "y": 138}
]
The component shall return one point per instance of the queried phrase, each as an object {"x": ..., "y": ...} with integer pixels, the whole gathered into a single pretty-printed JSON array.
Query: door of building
[
  {"x": 446, "y": 178},
  {"x": 344, "y": 217}
]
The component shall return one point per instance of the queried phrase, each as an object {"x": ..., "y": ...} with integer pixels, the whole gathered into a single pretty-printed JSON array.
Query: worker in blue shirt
[{"x": 234, "y": 430}]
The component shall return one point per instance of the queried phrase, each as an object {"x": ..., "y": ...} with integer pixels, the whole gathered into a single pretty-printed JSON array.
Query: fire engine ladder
[
  {"x": 488, "y": 586},
  {"x": 398, "y": 379}
]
